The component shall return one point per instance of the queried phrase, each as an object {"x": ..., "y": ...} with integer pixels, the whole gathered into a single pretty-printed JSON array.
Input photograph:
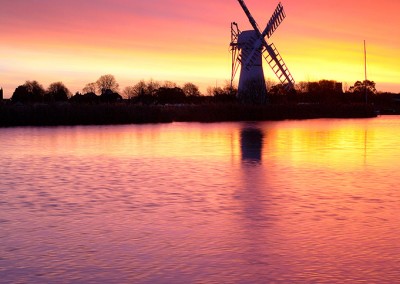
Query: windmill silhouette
[{"x": 248, "y": 50}]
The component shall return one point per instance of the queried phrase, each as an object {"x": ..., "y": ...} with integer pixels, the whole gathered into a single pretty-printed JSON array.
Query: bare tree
[
  {"x": 210, "y": 91},
  {"x": 228, "y": 89},
  {"x": 152, "y": 87},
  {"x": 169, "y": 84},
  {"x": 90, "y": 88},
  {"x": 215, "y": 91},
  {"x": 130, "y": 92},
  {"x": 139, "y": 88},
  {"x": 191, "y": 89},
  {"x": 107, "y": 82}
]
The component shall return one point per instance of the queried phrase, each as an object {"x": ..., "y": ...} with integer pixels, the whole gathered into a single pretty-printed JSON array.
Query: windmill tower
[{"x": 249, "y": 48}]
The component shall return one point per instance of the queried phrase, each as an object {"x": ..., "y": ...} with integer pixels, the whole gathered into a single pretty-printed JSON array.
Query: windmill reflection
[{"x": 251, "y": 143}]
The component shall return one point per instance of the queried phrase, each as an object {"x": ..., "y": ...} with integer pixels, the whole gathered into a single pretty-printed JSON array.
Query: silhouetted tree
[
  {"x": 57, "y": 92},
  {"x": 152, "y": 87},
  {"x": 143, "y": 92},
  {"x": 90, "y": 88},
  {"x": 129, "y": 92},
  {"x": 88, "y": 98},
  {"x": 77, "y": 98},
  {"x": 169, "y": 84},
  {"x": 277, "y": 89},
  {"x": 330, "y": 87},
  {"x": 139, "y": 89},
  {"x": 31, "y": 91},
  {"x": 328, "y": 91},
  {"x": 215, "y": 91},
  {"x": 36, "y": 90},
  {"x": 91, "y": 98},
  {"x": 191, "y": 89},
  {"x": 143, "y": 88},
  {"x": 109, "y": 96},
  {"x": 107, "y": 82},
  {"x": 360, "y": 87},
  {"x": 170, "y": 95},
  {"x": 222, "y": 94},
  {"x": 230, "y": 90},
  {"x": 20, "y": 94}
]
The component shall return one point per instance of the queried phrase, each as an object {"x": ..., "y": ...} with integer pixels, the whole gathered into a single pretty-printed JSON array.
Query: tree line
[{"x": 106, "y": 89}]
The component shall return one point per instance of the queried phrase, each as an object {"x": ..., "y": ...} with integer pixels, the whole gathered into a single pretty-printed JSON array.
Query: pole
[{"x": 365, "y": 69}]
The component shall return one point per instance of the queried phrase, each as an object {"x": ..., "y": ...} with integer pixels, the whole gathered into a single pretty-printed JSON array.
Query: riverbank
[{"x": 125, "y": 113}]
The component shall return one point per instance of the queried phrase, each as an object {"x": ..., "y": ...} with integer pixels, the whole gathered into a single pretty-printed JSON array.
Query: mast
[
  {"x": 365, "y": 60},
  {"x": 365, "y": 70}
]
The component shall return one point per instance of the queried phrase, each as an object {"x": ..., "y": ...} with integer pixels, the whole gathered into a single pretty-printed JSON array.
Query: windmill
[{"x": 248, "y": 50}]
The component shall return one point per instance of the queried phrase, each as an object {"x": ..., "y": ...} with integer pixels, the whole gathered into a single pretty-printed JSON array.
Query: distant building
[
  {"x": 1, "y": 94},
  {"x": 325, "y": 87},
  {"x": 339, "y": 87}
]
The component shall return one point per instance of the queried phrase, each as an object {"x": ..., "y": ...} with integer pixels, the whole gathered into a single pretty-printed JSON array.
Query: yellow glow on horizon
[{"x": 151, "y": 40}]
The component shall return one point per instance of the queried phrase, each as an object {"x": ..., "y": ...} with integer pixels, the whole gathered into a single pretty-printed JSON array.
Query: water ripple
[{"x": 277, "y": 202}]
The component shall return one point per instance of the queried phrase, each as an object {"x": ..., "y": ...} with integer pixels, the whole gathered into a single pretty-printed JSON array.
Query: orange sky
[{"x": 188, "y": 41}]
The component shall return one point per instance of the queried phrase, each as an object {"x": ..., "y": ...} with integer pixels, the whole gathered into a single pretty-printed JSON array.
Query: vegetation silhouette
[
  {"x": 87, "y": 98},
  {"x": 151, "y": 101},
  {"x": 107, "y": 82},
  {"x": 57, "y": 92},
  {"x": 31, "y": 91},
  {"x": 174, "y": 95}
]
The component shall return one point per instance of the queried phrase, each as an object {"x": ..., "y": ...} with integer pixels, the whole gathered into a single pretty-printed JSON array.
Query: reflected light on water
[{"x": 269, "y": 202}]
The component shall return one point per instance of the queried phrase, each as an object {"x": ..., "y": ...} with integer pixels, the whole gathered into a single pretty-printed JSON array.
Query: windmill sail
[
  {"x": 277, "y": 17},
  {"x": 249, "y": 48},
  {"x": 277, "y": 65},
  {"x": 250, "y": 17}
]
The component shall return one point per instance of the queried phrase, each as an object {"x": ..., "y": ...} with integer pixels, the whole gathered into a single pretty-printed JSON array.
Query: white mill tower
[{"x": 248, "y": 50}]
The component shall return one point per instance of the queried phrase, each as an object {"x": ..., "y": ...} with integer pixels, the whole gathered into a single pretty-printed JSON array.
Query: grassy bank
[{"x": 125, "y": 113}]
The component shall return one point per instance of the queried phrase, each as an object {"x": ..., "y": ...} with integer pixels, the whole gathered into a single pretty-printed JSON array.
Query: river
[{"x": 312, "y": 201}]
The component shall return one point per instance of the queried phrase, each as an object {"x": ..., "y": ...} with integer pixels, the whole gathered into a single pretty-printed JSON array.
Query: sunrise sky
[{"x": 77, "y": 41}]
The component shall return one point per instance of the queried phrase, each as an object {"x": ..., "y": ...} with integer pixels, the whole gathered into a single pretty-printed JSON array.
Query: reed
[{"x": 126, "y": 113}]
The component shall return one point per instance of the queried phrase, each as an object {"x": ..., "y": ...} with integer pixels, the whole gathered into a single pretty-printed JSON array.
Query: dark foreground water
[{"x": 314, "y": 201}]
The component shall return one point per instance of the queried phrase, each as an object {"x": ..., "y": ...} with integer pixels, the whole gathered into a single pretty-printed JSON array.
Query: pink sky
[{"x": 188, "y": 41}]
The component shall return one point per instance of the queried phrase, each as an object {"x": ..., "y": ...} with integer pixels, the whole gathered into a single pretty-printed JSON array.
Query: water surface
[{"x": 314, "y": 201}]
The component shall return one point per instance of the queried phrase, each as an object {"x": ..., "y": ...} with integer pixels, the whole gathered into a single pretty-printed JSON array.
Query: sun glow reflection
[
  {"x": 289, "y": 201},
  {"x": 338, "y": 146}
]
